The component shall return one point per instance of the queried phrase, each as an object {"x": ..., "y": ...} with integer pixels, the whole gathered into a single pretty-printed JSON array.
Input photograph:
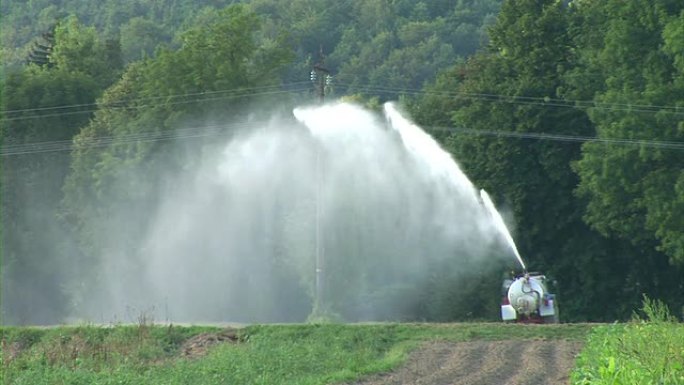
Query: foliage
[
  {"x": 23, "y": 20},
  {"x": 402, "y": 46},
  {"x": 634, "y": 192},
  {"x": 648, "y": 350},
  {"x": 140, "y": 37},
  {"x": 81, "y": 51},
  {"x": 284, "y": 354},
  {"x": 31, "y": 182},
  {"x": 378, "y": 47}
]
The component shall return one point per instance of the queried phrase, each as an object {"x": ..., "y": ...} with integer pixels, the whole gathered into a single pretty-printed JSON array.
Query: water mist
[{"x": 370, "y": 208}]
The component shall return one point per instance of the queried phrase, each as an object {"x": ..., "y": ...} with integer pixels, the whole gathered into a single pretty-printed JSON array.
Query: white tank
[{"x": 525, "y": 294}]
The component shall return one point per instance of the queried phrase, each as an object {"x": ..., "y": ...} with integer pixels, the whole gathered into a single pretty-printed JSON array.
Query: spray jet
[
  {"x": 501, "y": 226},
  {"x": 526, "y": 298}
]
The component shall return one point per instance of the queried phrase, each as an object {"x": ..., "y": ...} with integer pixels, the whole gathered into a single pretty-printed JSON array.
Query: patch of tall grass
[
  {"x": 648, "y": 350},
  {"x": 79, "y": 354}
]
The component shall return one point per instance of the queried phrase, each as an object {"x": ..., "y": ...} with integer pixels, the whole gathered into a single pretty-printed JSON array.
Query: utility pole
[
  {"x": 318, "y": 300},
  {"x": 320, "y": 77}
]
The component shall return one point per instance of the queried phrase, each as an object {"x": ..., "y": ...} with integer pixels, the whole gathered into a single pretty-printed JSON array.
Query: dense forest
[{"x": 569, "y": 113}]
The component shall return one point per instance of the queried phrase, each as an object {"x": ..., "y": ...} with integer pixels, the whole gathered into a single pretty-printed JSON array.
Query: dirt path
[{"x": 485, "y": 363}]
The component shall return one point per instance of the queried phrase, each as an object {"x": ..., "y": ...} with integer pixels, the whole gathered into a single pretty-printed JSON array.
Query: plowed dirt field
[{"x": 485, "y": 363}]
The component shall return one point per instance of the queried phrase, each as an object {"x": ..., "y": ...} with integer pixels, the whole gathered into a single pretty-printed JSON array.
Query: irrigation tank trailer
[{"x": 526, "y": 299}]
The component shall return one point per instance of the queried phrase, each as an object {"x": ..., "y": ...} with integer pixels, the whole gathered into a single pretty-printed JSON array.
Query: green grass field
[
  {"x": 645, "y": 351},
  {"x": 267, "y": 354}
]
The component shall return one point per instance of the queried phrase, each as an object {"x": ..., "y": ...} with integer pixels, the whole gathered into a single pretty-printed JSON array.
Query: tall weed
[{"x": 647, "y": 350}]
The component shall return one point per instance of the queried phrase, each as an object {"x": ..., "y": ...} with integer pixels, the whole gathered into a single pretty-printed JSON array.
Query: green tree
[
  {"x": 398, "y": 55},
  {"x": 140, "y": 37},
  {"x": 81, "y": 50},
  {"x": 634, "y": 192},
  {"x": 43, "y": 108}
]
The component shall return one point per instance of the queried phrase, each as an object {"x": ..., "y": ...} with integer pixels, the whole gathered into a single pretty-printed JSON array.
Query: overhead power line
[
  {"x": 524, "y": 100},
  {"x": 141, "y": 137},
  {"x": 169, "y": 100},
  {"x": 300, "y": 86},
  {"x": 139, "y": 107},
  {"x": 68, "y": 145},
  {"x": 201, "y": 93},
  {"x": 228, "y": 129},
  {"x": 673, "y": 145}
]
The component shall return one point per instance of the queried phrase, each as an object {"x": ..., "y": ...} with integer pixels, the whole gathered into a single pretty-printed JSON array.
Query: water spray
[
  {"x": 335, "y": 191},
  {"x": 501, "y": 226}
]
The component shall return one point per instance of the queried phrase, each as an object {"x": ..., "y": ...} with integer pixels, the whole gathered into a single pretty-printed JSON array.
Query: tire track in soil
[
  {"x": 513, "y": 362},
  {"x": 495, "y": 361}
]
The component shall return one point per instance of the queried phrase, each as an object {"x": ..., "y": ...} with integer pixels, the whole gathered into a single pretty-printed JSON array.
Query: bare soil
[{"x": 531, "y": 362}]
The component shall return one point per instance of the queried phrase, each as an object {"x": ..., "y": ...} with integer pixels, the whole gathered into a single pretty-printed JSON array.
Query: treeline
[
  {"x": 602, "y": 217},
  {"x": 372, "y": 44}
]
